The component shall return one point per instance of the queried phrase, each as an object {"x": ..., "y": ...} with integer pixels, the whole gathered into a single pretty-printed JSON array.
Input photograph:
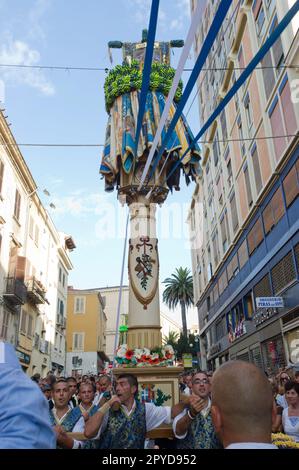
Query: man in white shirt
[
  {"x": 242, "y": 406},
  {"x": 126, "y": 426}
]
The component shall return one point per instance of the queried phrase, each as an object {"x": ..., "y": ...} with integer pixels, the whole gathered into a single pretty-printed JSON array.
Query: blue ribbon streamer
[
  {"x": 147, "y": 67},
  {"x": 202, "y": 57},
  {"x": 243, "y": 77}
]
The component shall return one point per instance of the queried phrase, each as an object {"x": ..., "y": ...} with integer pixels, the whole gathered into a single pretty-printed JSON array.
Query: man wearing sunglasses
[{"x": 193, "y": 427}]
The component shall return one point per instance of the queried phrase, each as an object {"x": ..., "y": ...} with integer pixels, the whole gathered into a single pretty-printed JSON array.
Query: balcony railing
[
  {"x": 36, "y": 291},
  {"x": 15, "y": 291},
  {"x": 44, "y": 346}
]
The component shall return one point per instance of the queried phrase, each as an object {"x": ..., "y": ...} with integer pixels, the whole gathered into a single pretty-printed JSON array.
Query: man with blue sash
[
  {"x": 123, "y": 421},
  {"x": 194, "y": 428}
]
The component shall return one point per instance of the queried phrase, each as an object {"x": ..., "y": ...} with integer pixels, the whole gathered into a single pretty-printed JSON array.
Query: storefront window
[{"x": 274, "y": 357}]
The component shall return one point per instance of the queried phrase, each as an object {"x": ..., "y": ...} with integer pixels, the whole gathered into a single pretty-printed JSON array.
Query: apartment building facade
[
  {"x": 30, "y": 251},
  {"x": 86, "y": 332},
  {"x": 244, "y": 211}
]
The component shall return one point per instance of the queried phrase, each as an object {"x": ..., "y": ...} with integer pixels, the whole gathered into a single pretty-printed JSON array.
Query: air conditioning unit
[{"x": 75, "y": 360}]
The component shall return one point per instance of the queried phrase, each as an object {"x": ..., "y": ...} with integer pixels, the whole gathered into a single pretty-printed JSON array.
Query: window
[
  {"x": 263, "y": 287},
  {"x": 273, "y": 211},
  {"x": 4, "y": 326},
  {"x": 222, "y": 282},
  {"x": 268, "y": 74},
  {"x": 216, "y": 148},
  {"x": 260, "y": 24},
  {"x": 248, "y": 111},
  {"x": 243, "y": 254},
  {"x": 60, "y": 272},
  {"x": 223, "y": 125},
  {"x": 220, "y": 328},
  {"x": 232, "y": 267},
  {"x": 1, "y": 175},
  {"x": 30, "y": 326},
  {"x": 229, "y": 173},
  {"x": 241, "y": 136},
  {"x": 23, "y": 322},
  {"x": 63, "y": 280},
  {"x": 61, "y": 308},
  {"x": 31, "y": 227},
  {"x": 248, "y": 305},
  {"x": 36, "y": 236},
  {"x": 284, "y": 273},
  {"x": 215, "y": 242},
  {"x": 234, "y": 212},
  {"x": 17, "y": 207},
  {"x": 215, "y": 293},
  {"x": 256, "y": 169},
  {"x": 78, "y": 341},
  {"x": 255, "y": 236},
  {"x": 248, "y": 185},
  {"x": 79, "y": 305},
  {"x": 291, "y": 184},
  {"x": 277, "y": 126},
  {"x": 277, "y": 49},
  {"x": 223, "y": 235}
]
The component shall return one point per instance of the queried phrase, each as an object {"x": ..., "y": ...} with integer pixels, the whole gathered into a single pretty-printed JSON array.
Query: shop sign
[
  {"x": 269, "y": 302},
  {"x": 187, "y": 360}
]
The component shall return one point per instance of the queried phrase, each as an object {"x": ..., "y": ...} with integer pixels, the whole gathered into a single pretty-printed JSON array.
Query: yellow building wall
[{"x": 87, "y": 323}]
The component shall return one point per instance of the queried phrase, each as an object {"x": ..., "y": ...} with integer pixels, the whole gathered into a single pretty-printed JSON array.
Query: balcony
[
  {"x": 44, "y": 346},
  {"x": 15, "y": 292},
  {"x": 36, "y": 291},
  {"x": 61, "y": 321}
]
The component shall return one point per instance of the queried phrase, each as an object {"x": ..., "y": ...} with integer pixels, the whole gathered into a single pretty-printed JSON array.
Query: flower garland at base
[
  {"x": 144, "y": 357},
  {"x": 284, "y": 441}
]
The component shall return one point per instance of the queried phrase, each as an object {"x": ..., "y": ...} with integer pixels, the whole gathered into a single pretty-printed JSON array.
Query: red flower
[
  {"x": 129, "y": 354},
  {"x": 154, "y": 361},
  {"x": 144, "y": 358}
]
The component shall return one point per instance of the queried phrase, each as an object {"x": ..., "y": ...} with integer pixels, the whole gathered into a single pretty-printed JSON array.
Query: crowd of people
[{"x": 236, "y": 407}]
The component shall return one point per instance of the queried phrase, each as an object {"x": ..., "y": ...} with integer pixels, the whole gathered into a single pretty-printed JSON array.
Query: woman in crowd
[{"x": 290, "y": 415}]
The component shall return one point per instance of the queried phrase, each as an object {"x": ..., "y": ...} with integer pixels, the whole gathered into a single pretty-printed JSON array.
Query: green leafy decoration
[
  {"x": 161, "y": 398},
  {"x": 126, "y": 78}
]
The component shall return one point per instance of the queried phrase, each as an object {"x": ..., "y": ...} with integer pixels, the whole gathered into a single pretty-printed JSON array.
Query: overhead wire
[{"x": 246, "y": 139}]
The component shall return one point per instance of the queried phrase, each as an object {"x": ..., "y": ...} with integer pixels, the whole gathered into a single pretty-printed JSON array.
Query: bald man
[{"x": 242, "y": 406}]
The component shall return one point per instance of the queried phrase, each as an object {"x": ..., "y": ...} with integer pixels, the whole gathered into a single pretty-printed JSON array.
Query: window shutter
[
  {"x": 20, "y": 268},
  {"x": 257, "y": 171},
  {"x": 291, "y": 186},
  {"x": 1, "y": 174}
]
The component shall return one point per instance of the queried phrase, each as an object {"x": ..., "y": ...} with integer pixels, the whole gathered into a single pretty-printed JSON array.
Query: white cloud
[
  {"x": 18, "y": 52},
  {"x": 35, "y": 16},
  {"x": 79, "y": 203}
]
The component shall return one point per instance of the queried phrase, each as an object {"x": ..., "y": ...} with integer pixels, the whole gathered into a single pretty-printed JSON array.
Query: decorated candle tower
[{"x": 122, "y": 166}]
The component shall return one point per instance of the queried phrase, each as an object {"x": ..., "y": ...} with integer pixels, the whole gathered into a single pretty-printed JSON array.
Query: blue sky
[{"x": 49, "y": 106}]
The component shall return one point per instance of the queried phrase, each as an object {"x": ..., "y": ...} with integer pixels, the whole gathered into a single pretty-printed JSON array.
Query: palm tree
[
  {"x": 172, "y": 338},
  {"x": 179, "y": 289}
]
